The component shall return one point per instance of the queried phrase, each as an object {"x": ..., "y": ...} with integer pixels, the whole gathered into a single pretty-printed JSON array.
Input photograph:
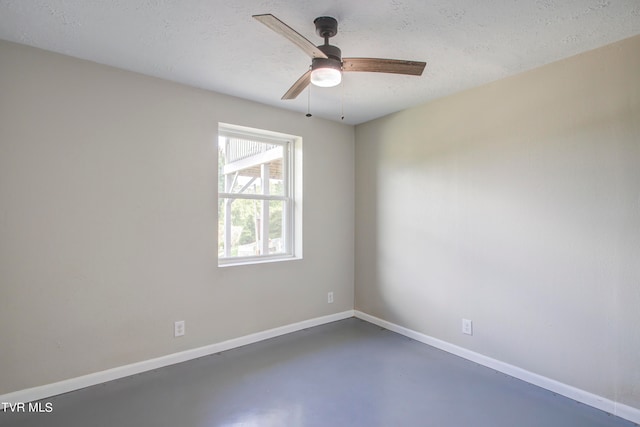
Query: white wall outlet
[
  {"x": 330, "y": 298},
  {"x": 178, "y": 328},
  {"x": 467, "y": 327}
]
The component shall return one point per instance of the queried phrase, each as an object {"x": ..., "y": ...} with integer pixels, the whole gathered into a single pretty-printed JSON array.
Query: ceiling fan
[{"x": 327, "y": 64}]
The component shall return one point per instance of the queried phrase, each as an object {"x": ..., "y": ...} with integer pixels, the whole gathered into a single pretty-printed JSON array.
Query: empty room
[{"x": 296, "y": 213}]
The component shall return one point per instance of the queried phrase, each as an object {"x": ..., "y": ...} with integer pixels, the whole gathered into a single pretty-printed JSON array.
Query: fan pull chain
[
  {"x": 342, "y": 100},
  {"x": 308, "y": 101}
]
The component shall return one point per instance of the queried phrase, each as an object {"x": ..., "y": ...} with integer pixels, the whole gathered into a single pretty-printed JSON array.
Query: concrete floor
[{"x": 347, "y": 373}]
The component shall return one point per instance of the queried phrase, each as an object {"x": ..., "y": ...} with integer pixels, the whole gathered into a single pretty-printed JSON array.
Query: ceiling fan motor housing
[
  {"x": 331, "y": 51},
  {"x": 334, "y": 59}
]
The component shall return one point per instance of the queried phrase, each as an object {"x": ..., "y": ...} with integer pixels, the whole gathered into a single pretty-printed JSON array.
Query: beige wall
[
  {"x": 516, "y": 205},
  {"x": 108, "y": 220}
]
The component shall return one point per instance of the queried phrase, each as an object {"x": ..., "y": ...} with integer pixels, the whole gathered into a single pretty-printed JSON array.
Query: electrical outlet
[
  {"x": 178, "y": 328},
  {"x": 467, "y": 327},
  {"x": 330, "y": 298}
]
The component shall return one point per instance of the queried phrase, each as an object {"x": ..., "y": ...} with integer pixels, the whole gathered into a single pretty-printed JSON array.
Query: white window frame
[{"x": 291, "y": 148}]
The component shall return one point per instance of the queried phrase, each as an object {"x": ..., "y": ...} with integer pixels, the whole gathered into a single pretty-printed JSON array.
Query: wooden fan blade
[
  {"x": 284, "y": 30},
  {"x": 378, "y": 65},
  {"x": 298, "y": 86}
]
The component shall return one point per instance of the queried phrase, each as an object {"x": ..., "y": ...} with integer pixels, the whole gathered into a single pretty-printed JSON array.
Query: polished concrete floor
[{"x": 348, "y": 373}]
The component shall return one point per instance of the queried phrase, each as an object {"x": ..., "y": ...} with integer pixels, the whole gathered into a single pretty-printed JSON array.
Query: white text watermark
[{"x": 46, "y": 407}]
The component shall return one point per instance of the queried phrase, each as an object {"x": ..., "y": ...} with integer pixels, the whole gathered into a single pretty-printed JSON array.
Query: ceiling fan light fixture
[
  {"x": 326, "y": 77},
  {"x": 326, "y": 72}
]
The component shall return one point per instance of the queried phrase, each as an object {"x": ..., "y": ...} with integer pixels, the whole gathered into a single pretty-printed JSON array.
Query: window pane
[
  {"x": 246, "y": 228},
  {"x": 277, "y": 227},
  {"x": 244, "y": 217},
  {"x": 246, "y": 166}
]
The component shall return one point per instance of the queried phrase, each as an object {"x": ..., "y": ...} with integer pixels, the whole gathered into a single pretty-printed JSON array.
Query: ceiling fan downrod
[{"x": 327, "y": 27}]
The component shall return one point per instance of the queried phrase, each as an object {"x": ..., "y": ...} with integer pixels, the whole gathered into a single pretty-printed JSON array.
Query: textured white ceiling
[{"x": 216, "y": 45}]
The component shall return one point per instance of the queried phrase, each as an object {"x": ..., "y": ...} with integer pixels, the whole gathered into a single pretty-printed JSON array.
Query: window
[{"x": 257, "y": 185}]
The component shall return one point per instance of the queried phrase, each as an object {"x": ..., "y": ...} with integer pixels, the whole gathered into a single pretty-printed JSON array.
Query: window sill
[{"x": 233, "y": 262}]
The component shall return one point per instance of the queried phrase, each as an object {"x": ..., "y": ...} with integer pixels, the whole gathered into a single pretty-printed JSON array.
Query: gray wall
[
  {"x": 108, "y": 220},
  {"x": 515, "y": 205}
]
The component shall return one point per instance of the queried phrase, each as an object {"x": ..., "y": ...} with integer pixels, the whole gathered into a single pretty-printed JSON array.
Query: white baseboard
[
  {"x": 628, "y": 413},
  {"x": 599, "y": 402},
  {"x": 49, "y": 390}
]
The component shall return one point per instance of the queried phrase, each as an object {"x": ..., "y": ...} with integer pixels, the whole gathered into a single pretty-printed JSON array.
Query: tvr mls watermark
[{"x": 46, "y": 407}]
